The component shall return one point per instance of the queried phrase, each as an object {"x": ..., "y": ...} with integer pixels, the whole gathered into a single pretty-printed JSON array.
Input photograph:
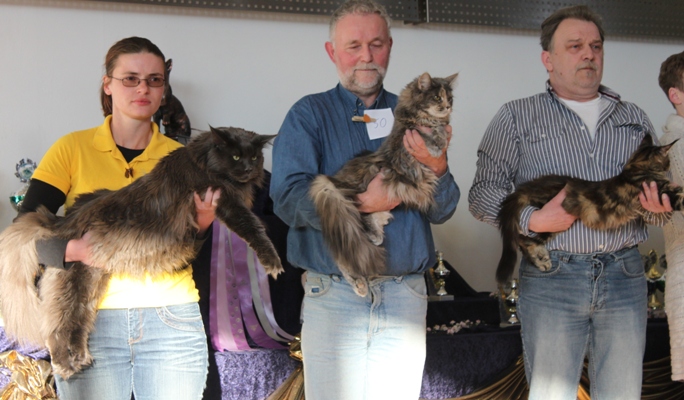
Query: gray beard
[{"x": 363, "y": 89}]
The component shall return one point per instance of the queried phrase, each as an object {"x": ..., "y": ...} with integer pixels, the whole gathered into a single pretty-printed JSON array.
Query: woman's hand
[{"x": 206, "y": 209}]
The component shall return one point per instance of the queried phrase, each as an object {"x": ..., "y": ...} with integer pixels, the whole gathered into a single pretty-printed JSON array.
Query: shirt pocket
[{"x": 543, "y": 148}]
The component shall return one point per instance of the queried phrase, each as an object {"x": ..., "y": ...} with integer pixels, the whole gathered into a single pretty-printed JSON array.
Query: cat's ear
[
  {"x": 646, "y": 141},
  {"x": 665, "y": 149},
  {"x": 262, "y": 140},
  {"x": 218, "y": 136},
  {"x": 451, "y": 79},
  {"x": 169, "y": 65},
  {"x": 424, "y": 82}
]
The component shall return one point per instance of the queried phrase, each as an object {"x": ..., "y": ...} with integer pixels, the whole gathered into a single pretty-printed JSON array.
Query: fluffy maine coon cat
[
  {"x": 147, "y": 227},
  {"x": 601, "y": 205},
  {"x": 354, "y": 238}
]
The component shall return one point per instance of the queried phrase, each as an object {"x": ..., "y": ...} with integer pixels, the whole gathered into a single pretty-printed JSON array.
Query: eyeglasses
[{"x": 133, "y": 81}]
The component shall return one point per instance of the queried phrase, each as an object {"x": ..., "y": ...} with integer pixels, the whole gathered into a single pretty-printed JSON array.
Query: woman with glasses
[{"x": 148, "y": 340}]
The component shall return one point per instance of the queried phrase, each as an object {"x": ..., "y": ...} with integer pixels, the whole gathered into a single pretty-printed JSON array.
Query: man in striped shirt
[{"x": 593, "y": 299}]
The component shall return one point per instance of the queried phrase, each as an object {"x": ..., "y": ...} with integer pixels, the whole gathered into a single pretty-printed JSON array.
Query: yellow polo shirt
[{"x": 85, "y": 161}]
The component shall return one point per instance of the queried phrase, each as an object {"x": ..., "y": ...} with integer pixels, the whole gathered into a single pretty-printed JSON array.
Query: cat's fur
[
  {"x": 601, "y": 205},
  {"x": 147, "y": 227},
  {"x": 171, "y": 114},
  {"x": 354, "y": 238}
]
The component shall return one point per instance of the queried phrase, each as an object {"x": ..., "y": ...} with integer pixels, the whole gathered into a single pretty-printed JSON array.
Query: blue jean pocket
[
  {"x": 317, "y": 284},
  {"x": 184, "y": 317},
  {"x": 529, "y": 270},
  {"x": 415, "y": 284},
  {"x": 632, "y": 265}
]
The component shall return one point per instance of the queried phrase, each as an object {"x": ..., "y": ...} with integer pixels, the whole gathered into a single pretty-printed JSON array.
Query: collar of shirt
[
  {"x": 355, "y": 104},
  {"x": 604, "y": 90}
]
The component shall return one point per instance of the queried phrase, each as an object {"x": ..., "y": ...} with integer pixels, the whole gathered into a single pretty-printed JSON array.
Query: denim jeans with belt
[
  {"x": 364, "y": 348},
  {"x": 155, "y": 353},
  {"x": 593, "y": 304}
]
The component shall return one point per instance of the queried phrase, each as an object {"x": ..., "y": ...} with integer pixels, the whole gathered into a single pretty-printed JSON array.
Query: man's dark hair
[
  {"x": 672, "y": 73},
  {"x": 581, "y": 12}
]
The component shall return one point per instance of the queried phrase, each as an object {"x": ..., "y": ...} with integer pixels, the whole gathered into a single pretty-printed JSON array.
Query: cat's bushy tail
[
  {"x": 344, "y": 230},
  {"x": 509, "y": 226},
  {"x": 19, "y": 272}
]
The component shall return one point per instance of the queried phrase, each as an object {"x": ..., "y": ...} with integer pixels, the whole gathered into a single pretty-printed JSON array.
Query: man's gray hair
[
  {"x": 581, "y": 12},
  {"x": 362, "y": 7}
]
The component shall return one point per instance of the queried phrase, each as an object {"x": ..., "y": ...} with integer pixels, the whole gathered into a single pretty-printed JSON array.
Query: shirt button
[
  {"x": 601, "y": 247},
  {"x": 582, "y": 128}
]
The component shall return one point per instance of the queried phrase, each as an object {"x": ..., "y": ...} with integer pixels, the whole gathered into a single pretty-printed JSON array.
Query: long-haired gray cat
[
  {"x": 602, "y": 205},
  {"x": 354, "y": 238},
  {"x": 147, "y": 227}
]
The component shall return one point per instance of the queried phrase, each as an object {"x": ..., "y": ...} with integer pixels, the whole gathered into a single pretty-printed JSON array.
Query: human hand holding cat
[
  {"x": 79, "y": 250},
  {"x": 552, "y": 217},
  {"x": 206, "y": 208},
  {"x": 652, "y": 201},
  {"x": 375, "y": 197},
  {"x": 415, "y": 145}
]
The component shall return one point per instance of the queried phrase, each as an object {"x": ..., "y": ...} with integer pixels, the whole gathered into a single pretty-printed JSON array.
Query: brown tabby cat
[
  {"x": 601, "y": 205},
  {"x": 354, "y": 238},
  {"x": 147, "y": 227}
]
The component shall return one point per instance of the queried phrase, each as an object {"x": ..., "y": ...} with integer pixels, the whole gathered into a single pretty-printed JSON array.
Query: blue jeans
[
  {"x": 586, "y": 303},
  {"x": 155, "y": 353},
  {"x": 363, "y": 348}
]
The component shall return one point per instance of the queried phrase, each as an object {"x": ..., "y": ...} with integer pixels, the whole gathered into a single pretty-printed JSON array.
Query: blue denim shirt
[{"x": 318, "y": 137}]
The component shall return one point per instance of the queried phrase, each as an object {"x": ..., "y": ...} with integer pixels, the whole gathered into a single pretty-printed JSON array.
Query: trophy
[
  {"x": 508, "y": 303},
  {"x": 441, "y": 272},
  {"x": 652, "y": 277},
  {"x": 25, "y": 168},
  {"x": 512, "y": 303},
  {"x": 436, "y": 281}
]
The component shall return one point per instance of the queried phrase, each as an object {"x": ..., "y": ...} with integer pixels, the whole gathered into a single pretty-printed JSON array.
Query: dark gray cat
[
  {"x": 147, "y": 227},
  {"x": 354, "y": 238}
]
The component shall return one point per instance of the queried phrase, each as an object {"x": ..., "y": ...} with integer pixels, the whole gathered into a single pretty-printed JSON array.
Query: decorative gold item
[
  {"x": 441, "y": 272},
  {"x": 31, "y": 379},
  {"x": 508, "y": 303},
  {"x": 512, "y": 303},
  {"x": 652, "y": 277}
]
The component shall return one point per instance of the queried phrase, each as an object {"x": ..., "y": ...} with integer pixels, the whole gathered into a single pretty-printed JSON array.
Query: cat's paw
[
  {"x": 272, "y": 264},
  {"x": 358, "y": 283},
  {"x": 375, "y": 238},
  {"x": 542, "y": 260},
  {"x": 360, "y": 286},
  {"x": 376, "y": 222},
  {"x": 67, "y": 361}
]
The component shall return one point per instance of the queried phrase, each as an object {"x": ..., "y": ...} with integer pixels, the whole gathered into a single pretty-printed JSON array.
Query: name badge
[{"x": 382, "y": 124}]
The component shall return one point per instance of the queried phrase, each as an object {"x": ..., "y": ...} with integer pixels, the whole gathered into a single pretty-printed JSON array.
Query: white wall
[{"x": 246, "y": 69}]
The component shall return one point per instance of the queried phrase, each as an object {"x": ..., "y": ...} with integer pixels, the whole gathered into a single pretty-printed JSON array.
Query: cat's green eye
[
  {"x": 236, "y": 158},
  {"x": 254, "y": 158},
  {"x": 438, "y": 98}
]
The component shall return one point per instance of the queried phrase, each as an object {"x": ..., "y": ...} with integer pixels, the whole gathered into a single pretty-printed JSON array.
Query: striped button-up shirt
[{"x": 540, "y": 135}]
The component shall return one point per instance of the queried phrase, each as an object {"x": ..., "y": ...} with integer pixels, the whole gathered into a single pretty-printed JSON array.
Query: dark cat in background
[
  {"x": 147, "y": 227},
  {"x": 354, "y": 238},
  {"x": 171, "y": 114},
  {"x": 601, "y": 205}
]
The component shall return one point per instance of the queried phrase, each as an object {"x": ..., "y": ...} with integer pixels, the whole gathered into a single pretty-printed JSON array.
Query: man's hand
[
  {"x": 375, "y": 197},
  {"x": 79, "y": 250},
  {"x": 415, "y": 145},
  {"x": 652, "y": 201},
  {"x": 552, "y": 217},
  {"x": 206, "y": 209}
]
